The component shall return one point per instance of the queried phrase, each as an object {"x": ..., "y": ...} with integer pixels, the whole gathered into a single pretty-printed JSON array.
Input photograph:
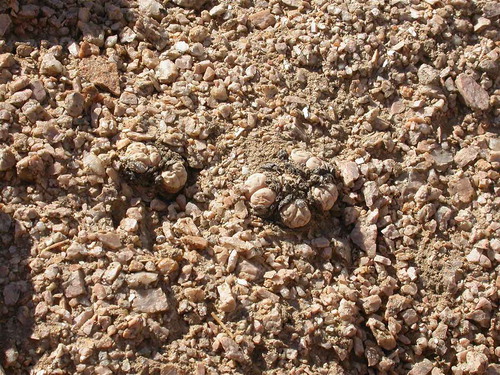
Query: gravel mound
[{"x": 249, "y": 187}]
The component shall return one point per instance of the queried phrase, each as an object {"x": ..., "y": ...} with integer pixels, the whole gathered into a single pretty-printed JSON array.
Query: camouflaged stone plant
[{"x": 292, "y": 189}]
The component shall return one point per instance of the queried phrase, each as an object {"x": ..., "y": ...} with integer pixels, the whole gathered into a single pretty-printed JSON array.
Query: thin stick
[
  {"x": 55, "y": 245},
  {"x": 221, "y": 323}
]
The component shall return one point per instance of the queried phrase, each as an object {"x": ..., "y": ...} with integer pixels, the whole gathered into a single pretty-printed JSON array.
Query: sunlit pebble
[{"x": 181, "y": 46}]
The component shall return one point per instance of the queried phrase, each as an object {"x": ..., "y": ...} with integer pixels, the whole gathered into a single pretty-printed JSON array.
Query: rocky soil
[{"x": 249, "y": 187}]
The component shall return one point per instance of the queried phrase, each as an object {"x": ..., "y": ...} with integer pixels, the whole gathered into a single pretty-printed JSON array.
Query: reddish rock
[
  {"x": 227, "y": 301},
  {"x": 463, "y": 190},
  {"x": 474, "y": 95},
  {"x": 466, "y": 156},
  {"x": 75, "y": 285},
  {"x": 384, "y": 338},
  {"x": 349, "y": 171},
  {"x": 365, "y": 236},
  {"x": 195, "y": 242},
  {"x": 231, "y": 348},
  {"x": 100, "y": 72},
  {"x": 5, "y": 23},
  {"x": 150, "y": 301},
  {"x": 262, "y": 20},
  {"x": 422, "y": 368},
  {"x": 110, "y": 240},
  {"x": 6, "y": 60}
]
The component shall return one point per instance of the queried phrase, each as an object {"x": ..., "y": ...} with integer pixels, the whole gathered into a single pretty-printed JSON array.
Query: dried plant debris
[{"x": 249, "y": 187}]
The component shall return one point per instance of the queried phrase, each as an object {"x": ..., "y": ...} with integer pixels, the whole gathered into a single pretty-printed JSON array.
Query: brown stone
[
  {"x": 195, "y": 4},
  {"x": 349, "y": 172},
  {"x": 5, "y": 23},
  {"x": 463, "y": 190},
  {"x": 384, "y": 338},
  {"x": 110, "y": 240},
  {"x": 293, "y": 3},
  {"x": 365, "y": 236},
  {"x": 6, "y": 60},
  {"x": 195, "y": 242},
  {"x": 150, "y": 301},
  {"x": 474, "y": 95},
  {"x": 466, "y": 156},
  {"x": 100, "y": 72},
  {"x": 75, "y": 285},
  {"x": 422, "y": 368},
  {"x": 262, "y": 20}
]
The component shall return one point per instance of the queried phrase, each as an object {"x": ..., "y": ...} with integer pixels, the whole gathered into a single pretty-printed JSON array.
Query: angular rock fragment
[
  {"x": 466, "y": 156},
  {"x": 227, "y": 303},
  {"x": 75, "y": 286},
  {"x": 39, "y": 93},
  {"x": 7, "y": 159},
  {"x": 167, "y": 71},
  {"x": 151, "y": 8},
  {"x": 231, "y": 348},
  {"x": 293, "y": 3},
  {"x": 5, "y": 23},
  {"x": 422, "y": 368},
  {"x": 74, "y": 104},
  {"x": 262, "y": 20},
  {"x": 112, "y": 272},
  {"x": 384, "y": 338},
  {"x": 110, "y": 240},
  {"x": 473, "y": 94},
  {"x": 92, "y": 33},
  {"x": 129, "y": 98},
  {"x": 7, "y": 60},
  {"x": 442, "y": 159},
  {"x": 476, "y": 362},
  {"x": 427, "y": 74},
  {"x": 349, "y": 172},
  {"x": 365, "y": 236},
  {"x": 371, "y": 304},
  {"x": 195, "y": 242},
  {"x": 463, "y": 190},
  {"x": 152, "y": 31},
  {"x": 33, "y": 167},
  {"x": 195, "y": 4},
  {"x": 150, "y": 301},
  {"x": 491, "y": 9},
  {"x": 50, "y": 66},
  {"x": 142, "y": 279},
  {"x": 102, "y": 73}
]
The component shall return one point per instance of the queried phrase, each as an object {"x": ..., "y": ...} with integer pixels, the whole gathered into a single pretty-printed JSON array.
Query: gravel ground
[{"x": 249, "y": 187}]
